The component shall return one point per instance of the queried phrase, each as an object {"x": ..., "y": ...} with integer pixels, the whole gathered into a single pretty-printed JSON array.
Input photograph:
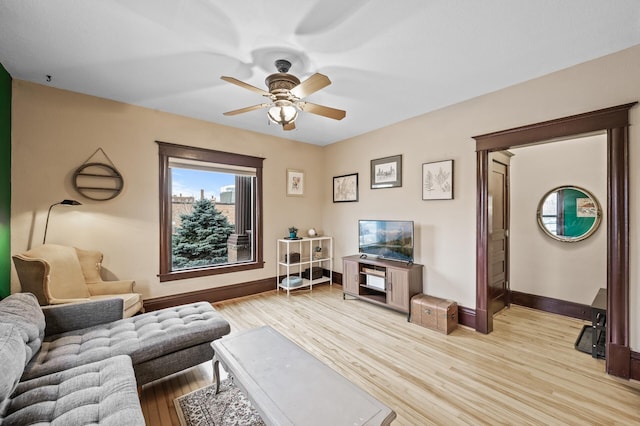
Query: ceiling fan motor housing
[{"x": 281, "y": 81}]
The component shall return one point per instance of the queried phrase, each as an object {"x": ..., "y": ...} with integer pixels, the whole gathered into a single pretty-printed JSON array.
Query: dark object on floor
[
  {"x": 312, "y": 273},
  {"x": 584, "y": 343},
  {"x": 599, "y": 324}
]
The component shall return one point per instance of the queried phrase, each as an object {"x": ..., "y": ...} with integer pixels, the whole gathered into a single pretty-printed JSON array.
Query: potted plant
[
  {"x": 317, "y": 252},
  {"x": 293, "y": 232}
]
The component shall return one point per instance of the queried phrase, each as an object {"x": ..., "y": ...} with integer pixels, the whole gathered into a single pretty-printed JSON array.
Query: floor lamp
[{"x": 61, "y": 203}]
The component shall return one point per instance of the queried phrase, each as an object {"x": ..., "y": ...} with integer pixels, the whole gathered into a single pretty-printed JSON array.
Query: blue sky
[{"x": 189, "y": 182}]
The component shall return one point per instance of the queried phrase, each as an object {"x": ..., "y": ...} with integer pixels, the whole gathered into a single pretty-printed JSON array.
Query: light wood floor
[{"x": 525, "y": 372}]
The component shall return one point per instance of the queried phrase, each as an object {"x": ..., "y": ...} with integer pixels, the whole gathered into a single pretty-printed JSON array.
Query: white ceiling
[{"x": 388, "y": 60}]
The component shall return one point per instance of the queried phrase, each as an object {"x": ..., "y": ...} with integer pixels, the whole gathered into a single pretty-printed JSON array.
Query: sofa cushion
[
  {"x": 65, "y": 270},
  {"x": 90, "y": 264},
  {"x": 12, "y": 359},
  {"x": 23, "y": 311},
  {"x": 76, "y": 316},
  {"x": 143, "y": 337},
  {"x": 129, "y": 299},
  {"x": 102, "y": 393}
]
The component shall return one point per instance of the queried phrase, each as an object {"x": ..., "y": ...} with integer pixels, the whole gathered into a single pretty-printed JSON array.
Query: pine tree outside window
[
  {"x": 210, "y": 212},
  {"x": 201, "y": 237}
]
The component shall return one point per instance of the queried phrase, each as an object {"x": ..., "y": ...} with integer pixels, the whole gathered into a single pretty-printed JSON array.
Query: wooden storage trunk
[{"x": 434, "y": 313}]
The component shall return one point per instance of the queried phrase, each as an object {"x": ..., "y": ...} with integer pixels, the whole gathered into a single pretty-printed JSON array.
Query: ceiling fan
[{"x": 286, "y": 93}]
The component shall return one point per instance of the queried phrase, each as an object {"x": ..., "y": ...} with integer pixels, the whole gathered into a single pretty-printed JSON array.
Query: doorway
[
  {"x": 615, "y": 122},
  {"x": 549, "y": 268}
]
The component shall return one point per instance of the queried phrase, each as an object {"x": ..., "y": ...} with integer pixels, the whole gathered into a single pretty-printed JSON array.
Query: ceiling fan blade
[
  {"x": 245, "y": 85},
  {"x": 289, "y": 126},
  {"x": 246, "y": 109},
  {"x": 310, "y": 85},
  {"x": 336, "y": 114}
]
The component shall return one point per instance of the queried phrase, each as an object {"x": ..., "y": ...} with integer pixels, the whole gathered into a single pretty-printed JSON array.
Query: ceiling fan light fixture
[
  {"x": 283, "y": 112},
  {"x": 286, "y": 93}
]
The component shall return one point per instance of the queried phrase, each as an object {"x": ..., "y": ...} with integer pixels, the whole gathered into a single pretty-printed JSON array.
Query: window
[
  {"x": 210, "y": 212},
  {"x": 550, "y": 213}
]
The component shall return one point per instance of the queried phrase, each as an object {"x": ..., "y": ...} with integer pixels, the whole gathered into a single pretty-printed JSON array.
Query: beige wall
[
  {"x": 445, "y": 230},
  {"x": 565, "y": 271},
  {"x": 55, "y": 131}
]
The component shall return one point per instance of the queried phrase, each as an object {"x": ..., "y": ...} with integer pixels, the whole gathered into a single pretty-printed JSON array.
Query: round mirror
[{"x": 569, "y": 214}]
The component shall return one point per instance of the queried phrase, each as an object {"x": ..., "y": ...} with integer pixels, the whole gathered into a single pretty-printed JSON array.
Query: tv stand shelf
[
  {"x": 387, "y": 283},
  {"x": 373, "y": 288}
]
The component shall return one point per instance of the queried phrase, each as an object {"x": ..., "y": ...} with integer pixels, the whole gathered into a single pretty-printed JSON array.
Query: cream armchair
[{"x": 59, "y": 274}]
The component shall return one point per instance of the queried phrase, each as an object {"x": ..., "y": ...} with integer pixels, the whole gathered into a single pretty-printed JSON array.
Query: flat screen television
[{"x": 388, "y": 239}]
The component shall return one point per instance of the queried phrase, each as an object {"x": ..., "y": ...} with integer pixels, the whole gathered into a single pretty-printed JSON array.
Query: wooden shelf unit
[{"x": 384, "y": 282}]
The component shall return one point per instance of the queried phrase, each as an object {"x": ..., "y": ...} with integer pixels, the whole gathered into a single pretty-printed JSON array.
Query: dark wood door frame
[{"x": 615, "y": 121}]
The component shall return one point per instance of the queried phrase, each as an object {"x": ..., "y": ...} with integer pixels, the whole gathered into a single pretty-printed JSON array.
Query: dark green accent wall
[{"x": 5, "y": 182}]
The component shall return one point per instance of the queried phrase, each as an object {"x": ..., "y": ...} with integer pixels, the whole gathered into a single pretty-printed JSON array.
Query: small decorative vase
[{"x": 292, "y": 235}]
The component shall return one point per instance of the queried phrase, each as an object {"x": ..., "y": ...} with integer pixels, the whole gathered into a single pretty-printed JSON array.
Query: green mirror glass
[{"x": 569, "y": 214}]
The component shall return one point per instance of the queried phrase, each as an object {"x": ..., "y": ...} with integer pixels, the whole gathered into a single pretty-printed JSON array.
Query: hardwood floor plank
[
  {"x": 150, "y": 399},
  {"x": 525, "y": 372},
  {"x": 162, "y": 403}
]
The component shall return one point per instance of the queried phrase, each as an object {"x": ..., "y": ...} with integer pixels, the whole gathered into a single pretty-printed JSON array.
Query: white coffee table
[{"x": 288, "y": 386}]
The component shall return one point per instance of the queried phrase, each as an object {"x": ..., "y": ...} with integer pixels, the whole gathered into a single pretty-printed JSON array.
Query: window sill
[{"x": 203, "y": 272}]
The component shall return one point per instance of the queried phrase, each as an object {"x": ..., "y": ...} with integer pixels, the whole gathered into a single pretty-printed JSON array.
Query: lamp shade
[{"x": 61, "y": 203}]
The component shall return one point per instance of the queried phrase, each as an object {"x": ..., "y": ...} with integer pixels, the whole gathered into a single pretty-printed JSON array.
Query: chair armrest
[
  {"x": 34, "y": 276},
  {"x": 75, "y": 316},
  {"x": 110, "y": 287}
]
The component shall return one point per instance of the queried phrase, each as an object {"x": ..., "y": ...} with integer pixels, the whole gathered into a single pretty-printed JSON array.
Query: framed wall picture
[
  {"x": 437, "y": 180},
  {"x": 345, "y": 188},
  {"x": 586, "y": 207},
  {"x": 386, "y": 172},
  {"x": 295, "y": 183}
]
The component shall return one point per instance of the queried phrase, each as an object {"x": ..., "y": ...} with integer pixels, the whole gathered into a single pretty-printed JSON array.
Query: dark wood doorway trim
[{"x": 615, "y": 121}]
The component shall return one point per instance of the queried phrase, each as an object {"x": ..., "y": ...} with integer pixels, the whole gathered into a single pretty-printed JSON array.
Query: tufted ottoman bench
[{"x": 159, "y": 343}]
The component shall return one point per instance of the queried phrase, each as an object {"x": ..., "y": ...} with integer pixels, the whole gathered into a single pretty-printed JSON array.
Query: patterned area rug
[{"x": 229, "y": 407}]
